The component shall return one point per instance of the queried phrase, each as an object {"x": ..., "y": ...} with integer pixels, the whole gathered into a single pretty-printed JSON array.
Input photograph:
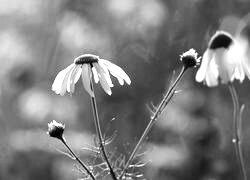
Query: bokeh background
[{"x": 38, "y": 38}]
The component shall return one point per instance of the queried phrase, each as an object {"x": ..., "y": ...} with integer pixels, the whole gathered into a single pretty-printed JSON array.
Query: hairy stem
[
  {"x": 236, "y": 130},
  {"x": 156, "y": 114},
  {"x": 78, "y": 160},
  {"x": 99, "y": 132}
]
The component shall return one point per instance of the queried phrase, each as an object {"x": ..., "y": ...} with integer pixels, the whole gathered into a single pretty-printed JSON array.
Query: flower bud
[
  {"x": 190, "y": 59},
  {"x": 56, "y": 129}
]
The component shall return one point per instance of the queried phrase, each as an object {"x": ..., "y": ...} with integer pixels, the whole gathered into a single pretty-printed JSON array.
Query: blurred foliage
[{"x": 192, "y": 139}]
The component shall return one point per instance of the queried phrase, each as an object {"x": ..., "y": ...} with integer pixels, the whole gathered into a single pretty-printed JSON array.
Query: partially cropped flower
[
  {"x": 56, "y": 129},
  {"x": 87, "y": 65},
  {"x": 225, "y": 60},
  {"x": 190, "y": 58}
]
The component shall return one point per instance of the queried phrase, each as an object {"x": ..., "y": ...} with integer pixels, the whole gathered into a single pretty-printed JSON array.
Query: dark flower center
[
  {"x": 189, "y": 61},
  {"x": 86, "y": 59},
  {"x": 220, "y": 40},
  {"x": 56, "y": 131}
]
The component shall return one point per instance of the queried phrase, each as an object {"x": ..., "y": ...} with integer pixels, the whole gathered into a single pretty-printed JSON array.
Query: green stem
[
  {"x": 158, "y": 111},
  {"x": 236, "y": 130},
  {"x": 77, "y": 159},
  {"x": 99, "y": 132}
]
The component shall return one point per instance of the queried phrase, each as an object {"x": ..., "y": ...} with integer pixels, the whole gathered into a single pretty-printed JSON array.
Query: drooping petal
[
  {"x": 225, "y": 64},
  {"x": 246, "y": 62},
  {"x": 74, "y": 77},
  {"x": 246, "y": 67},
  {"x": 86, "y": 79},
  {"x": 70, "y": 78},
  {"x": 95, "y": 74},
  {"x": 105, "y": 72},
  {"x": 60, "y": 83},
  {"x": 57, "y": 84},
  {"x": 201, "y": 73},
  {"x": 212, "y": 74},
  {"x": 65, "y": 81},
  {"x": 116, "y": 71},
  {"x": 78, "y": 74},
  {"x": 120, "y": 80},
  {"x": 102, "y": 79},
  {"x": 239, "y": 53},
  {"x": 238, "y": 74}
]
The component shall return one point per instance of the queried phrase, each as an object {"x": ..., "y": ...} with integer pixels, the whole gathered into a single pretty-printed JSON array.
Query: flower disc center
[
  {"x": 220, "y": 40},
  {"x": 86, "y": 59}
]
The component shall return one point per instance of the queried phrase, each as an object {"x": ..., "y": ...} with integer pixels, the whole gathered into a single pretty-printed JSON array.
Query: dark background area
[{"x": 38, "y": 38}]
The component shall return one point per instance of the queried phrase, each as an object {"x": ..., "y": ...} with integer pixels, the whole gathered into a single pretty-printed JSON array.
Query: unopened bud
[
  {"x": 56, "y": 129},
  {"x": 190, "y": 59}
]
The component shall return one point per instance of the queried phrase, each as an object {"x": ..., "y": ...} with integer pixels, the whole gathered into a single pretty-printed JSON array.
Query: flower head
[
  {"x": 225, "y": 60},
  {"x": 86, "y": 66},
  {"x": 190, "y": 58},
  {"x": 56, "y": 129}
]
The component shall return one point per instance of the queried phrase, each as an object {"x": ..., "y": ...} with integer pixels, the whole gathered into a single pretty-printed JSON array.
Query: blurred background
[{"x": 38, "y": 38}]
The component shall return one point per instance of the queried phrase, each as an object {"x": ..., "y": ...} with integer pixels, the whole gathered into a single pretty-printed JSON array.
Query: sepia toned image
[{"x": 124, "y": 90}]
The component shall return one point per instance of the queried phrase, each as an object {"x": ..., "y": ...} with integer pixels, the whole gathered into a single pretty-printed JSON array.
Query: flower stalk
[
  {"x": 55, "y": 130},
  {"x": 155, "y": 116},
  {"x": 99, "y": 132},
  {"x": 78, "y": 159},
  {"x": 237, "y": 130}
]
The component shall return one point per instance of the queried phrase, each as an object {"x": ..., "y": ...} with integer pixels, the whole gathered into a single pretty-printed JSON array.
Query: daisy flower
[
  {"x": 225, "y": 60},
  {"x": 86, "y": 66}
]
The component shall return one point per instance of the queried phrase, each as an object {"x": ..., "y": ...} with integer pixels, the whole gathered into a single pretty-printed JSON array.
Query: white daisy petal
[
  {"x": 74, "y": 77},
  {"x": 105, "y": 72},
  {"x": 70, "y": 78},
  {"x": 60, "y": 83},
  {"x": 65, "y": 81},
  {"x": 120, "y": 80},
  {"x": 212, "y": 74},
  {"x": 57, "y": 84},
  {"x": 86, "y": 79},
  {"x": 201, "y": 73},
  {"x": 241, "y": 49},
  {"x": 224, "y": 63},
  {"x": 78, "y": 74},
  {"x": 116, "y": 71},
  {"x": 102, "y": 79},
  {"x": 246, "y": 66},
  {"x": 96, "y": 79},
  {"x": 238, "y": 74}
]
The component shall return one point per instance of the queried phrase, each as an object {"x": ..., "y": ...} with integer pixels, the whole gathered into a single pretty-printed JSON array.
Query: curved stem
[
  {"x": 236, "y": 130},
  {"x": 99, "y": 132},
  {"x": 158, "y": 111},
  {"x": 78, "y": 160}
]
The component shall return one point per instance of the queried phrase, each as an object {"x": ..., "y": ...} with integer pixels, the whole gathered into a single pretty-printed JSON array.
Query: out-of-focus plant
[{"x": 224, "y": 61}]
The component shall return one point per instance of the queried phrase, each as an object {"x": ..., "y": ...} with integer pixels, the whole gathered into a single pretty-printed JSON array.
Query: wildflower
[
  {"x": 56, "y": 129},
  {"x": 224, "y": 60},
  {"x": 87, "y": 65},
  {"x": 190, "y": 58}
]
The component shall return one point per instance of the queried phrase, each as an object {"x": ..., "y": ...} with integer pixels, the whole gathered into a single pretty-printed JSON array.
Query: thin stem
[
  {"x": 78, "y": 160},
  {"x": 158, "y": 111},
  {"x": 236, "y": 130},
  {"x": 99, "y": 132}
]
